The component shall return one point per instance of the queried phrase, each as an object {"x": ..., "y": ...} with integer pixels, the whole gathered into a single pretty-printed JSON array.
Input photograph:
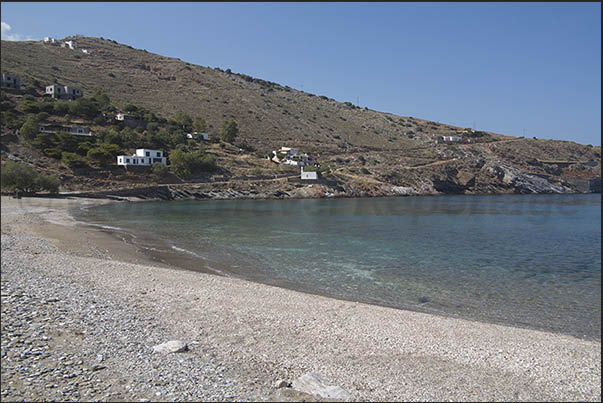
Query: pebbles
[
  {"x": 95, "y": 341},
  {"x": 56, "y": 334}
]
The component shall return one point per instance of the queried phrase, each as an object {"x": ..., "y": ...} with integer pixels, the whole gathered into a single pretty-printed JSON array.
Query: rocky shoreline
[{"x": 81, "y": 315}]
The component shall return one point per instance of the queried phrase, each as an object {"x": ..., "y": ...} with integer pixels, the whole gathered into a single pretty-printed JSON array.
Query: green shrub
[
  {"x": 364, "y": 170},
  {"x": 9, "y": 120},
  {"x": 104, "y": 153},
  {"x": 30, "y": 128},
  {"x": 160, "y": 170},
  {"x": 83, "y": 147},
  {"x": 229, "y": 131},
  {"x": 61, "y": 108},
  {"x": 24, "y": 178},
  {"x": 184, "y": 164},
  {"x": 85, "y": 108},
  {"x": 48, "y": 107},
  {"x": 99, "y": 155},
  {"x": 73, "y": 160},
  {"x": 48, "y": 182},
  {"x": 7, "y": 106},
  {"x": 111, "y": 75},
  {"x": 29, "y": 107},
  {"x": 52, "y": 152}
]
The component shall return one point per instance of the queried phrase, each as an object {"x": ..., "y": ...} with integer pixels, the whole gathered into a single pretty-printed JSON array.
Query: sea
[{"x": 530, "y": 261}]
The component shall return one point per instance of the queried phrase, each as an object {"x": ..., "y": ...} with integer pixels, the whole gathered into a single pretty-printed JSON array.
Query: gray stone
[
  {"x": 172, "y": 346},
  {"x": 316, "y": 384},
  {"x": 281, "y": 383}
]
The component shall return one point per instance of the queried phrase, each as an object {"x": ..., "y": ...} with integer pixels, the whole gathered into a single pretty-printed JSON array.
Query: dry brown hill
[{"x": 363, "y": 146}]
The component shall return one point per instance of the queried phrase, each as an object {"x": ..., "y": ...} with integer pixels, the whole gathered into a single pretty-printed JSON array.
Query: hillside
[{"x": 371, "y": 152}]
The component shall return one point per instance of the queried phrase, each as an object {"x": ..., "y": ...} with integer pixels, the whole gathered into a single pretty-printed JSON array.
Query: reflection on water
[{"x": 519, "y": 259}]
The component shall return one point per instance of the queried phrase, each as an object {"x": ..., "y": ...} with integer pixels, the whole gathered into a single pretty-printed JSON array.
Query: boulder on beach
[
  {"x": 316, "y": 384},
  {"x": 172, "y": 346}
]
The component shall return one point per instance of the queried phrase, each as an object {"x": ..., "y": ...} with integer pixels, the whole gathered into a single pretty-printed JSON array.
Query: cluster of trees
[
  {"x": 184, "y": 163},
  {"x": 153, "y": 131},
  {"x": 16, "y": 176}
]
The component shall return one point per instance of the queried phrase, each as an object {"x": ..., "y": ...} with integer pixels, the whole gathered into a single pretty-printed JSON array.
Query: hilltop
[{"x": 368, "y": 152}]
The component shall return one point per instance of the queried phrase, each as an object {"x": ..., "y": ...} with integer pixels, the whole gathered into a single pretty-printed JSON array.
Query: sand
[{"x": 262, "y": 334}]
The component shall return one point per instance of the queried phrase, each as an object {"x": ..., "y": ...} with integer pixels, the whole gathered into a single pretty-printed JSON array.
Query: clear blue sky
[{"x": 503, "y": 67}]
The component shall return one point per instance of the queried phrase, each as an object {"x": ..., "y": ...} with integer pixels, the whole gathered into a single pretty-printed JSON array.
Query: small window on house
[
  {"x": 128, "y": 160},
  {"x": 158, "y": 153},
  {"x": 148, "y": 153}
]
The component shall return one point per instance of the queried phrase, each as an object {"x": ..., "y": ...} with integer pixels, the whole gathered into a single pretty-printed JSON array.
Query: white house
[
  {"x": 308, "y": 175},
  {"x": 196, "y": 135},
  {"x": 63, "y": 91},
  {"x": 11, "y": 81},
  {"x": 69, "y": 44},
  {"x": 86, "y": 51},
  {"x": 75, "y": 130},
  {"x": 50, "y": 40},
  {"x": 451, "y": 139},
  {"x": 289, "y": 156},
  {"x": 143, "y": 157},
  {"x": 129, "y": 120}
]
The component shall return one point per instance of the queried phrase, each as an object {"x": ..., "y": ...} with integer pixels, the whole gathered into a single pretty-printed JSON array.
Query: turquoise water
[{"x": 525, "y": 260}]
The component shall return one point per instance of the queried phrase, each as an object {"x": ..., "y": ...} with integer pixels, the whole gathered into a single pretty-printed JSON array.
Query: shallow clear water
[{"x": 525, "y": 260}]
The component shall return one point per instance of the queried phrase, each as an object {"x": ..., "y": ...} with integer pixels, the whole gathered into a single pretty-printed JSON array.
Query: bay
[{"x": 530, "y": 261}]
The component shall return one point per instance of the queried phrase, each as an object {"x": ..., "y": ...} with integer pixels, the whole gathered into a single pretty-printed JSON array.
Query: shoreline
[
  {"x": 156, "y": 251},
  {"x": 264, "y": 333}
]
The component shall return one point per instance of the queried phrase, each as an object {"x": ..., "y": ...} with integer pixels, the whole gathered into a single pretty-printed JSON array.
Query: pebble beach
[{"x": 82, "y": 312}]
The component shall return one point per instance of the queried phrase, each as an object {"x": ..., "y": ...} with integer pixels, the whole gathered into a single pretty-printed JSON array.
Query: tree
[
  {"x": 159, "y": 170},
  {"x": 184, "y": 121},
  {"x": 28, "y": 106},
  {"x": 84, "y": 107},
  {"x": 18, "y": 176},
  {"x": 99, "y": 155},
  {"x": 30, "y": 128},
  {"x": 48, "y": 182},
  {"x": 179, "y": 163},
  {"x": 61, "y": 108},
  {"x": 105, "y": 153},
  {"x": 184, "y": 164},
  {"x": 229, "y": 131},
  {"x": 67, "y": 142},
  {"x": 73, "y": 160},
  {"x": 101, "y": 99},
  {"x": 199, "y": 124}
]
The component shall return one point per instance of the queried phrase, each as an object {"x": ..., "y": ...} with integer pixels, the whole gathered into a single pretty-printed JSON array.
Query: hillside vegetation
[{"x": 367, "y": 152}]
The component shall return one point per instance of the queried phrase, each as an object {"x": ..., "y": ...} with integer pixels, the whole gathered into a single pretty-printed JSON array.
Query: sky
[{"x": 521, "y": 69}]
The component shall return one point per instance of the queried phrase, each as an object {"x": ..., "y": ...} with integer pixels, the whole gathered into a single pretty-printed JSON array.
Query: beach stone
[
  {"x": 316, "y": 384},
  {"x": 281, "y": 383},
  {"x": 172, "y": 346}
]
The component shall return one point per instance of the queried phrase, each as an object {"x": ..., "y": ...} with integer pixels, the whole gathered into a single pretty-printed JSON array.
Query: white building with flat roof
[
  {"x": 143, "y": 157},
  {"x": 63, "y": 92},
  {"x": 309, "y": 175},
  {"x": 69, "y": 44}
]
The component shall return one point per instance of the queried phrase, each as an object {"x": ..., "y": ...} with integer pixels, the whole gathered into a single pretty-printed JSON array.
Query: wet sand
[{"x": 265, "y": 333}]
